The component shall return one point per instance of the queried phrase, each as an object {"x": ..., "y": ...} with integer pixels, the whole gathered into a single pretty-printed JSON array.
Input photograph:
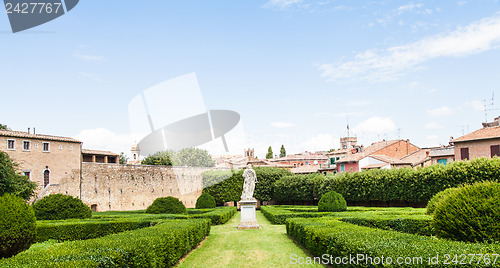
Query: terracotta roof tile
[
  {"x": 97, "y": 152},
  {"x": 20, "y": 134},
  {"x": 480, "y": 134}
]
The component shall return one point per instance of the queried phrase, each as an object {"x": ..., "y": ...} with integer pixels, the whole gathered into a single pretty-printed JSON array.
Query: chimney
[
  {"x": 34, "y": 132},
  {"x": 28, "y": 130}
]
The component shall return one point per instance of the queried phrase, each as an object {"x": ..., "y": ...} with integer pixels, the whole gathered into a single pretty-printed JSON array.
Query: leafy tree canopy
[
  {"x": 192, "y": 157},
  {"x": 123, "y": 158},
  {"x": 11, "y": 181},
  {"x": 269, "y": 154},
  {"x": 158, "y": 159},
  {"x": 4, "y": 127},
  {"x": 282, "y": 151}
]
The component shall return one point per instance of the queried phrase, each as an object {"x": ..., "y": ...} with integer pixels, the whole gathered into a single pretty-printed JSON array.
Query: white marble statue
[{"x": 249, "y": 184}]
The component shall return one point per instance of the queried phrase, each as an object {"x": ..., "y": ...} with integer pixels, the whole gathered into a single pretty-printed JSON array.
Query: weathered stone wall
[{"x": 133, "y": 187}]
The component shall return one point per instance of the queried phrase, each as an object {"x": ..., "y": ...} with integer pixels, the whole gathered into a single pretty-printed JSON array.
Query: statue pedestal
[{"x": 248, "y": 218}]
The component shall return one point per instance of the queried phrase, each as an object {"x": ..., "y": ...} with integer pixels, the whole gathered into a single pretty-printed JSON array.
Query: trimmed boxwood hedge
[
  {"x": 159, "y": 246},
  {"x": 332, "y": 202},
  {"x": 340, "y": 239},
  {"x": 219, "y": 215},
  {"x": 61, "y": 207},
  {"x": 205, "y": 201},
  {"x": 169, "y": 205}
]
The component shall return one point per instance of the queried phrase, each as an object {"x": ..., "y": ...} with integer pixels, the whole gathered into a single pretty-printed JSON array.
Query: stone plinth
[{"x": 248, "y": 218}]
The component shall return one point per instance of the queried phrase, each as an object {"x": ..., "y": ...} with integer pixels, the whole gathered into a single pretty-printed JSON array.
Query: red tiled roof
[
  {"x": 415, "y": 157},
  {"x": 20, "y": 134},
  {"x": 480, "y": 134},
  {"x": 305, "y": 169},
  {"x": 375, "y": 166},
  {"x": 97, "y": 152},
  {"x": 373, "y": 148}
]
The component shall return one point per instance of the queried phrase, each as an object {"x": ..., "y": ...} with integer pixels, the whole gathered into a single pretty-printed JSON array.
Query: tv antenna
[{"x": 490, "y": 103}]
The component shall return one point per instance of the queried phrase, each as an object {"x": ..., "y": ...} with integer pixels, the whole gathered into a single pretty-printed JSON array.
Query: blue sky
[{"x": 294, "y": 70}]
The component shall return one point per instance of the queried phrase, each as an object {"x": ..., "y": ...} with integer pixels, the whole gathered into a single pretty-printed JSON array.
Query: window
[
  {"x": 27, "y": 174},
  {"x": 495, "y": 150},
  {"x": 464, "y": 153},
  {"x": 342, "y": 168},
  {"x": 442, "y": 161},
  {"x": 332, "y": 160},
  {"x": 60, "y": 147},
  {"x": 11, "y": 144},
  {"x": 71, "y": 148},
  {"x": 46, "y": 147},
  {"x": 26, "y": 146}
]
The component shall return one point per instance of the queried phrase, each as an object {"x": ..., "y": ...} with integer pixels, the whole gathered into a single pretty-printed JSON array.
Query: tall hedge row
[{"x": 226, "y": 189}]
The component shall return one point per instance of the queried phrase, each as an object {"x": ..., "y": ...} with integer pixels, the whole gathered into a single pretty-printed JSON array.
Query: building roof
[
  {"x": 375, "y": 166},
  {"x": 97, "y": 152},
  {"x": 305, "y": 169},
  {"x": 301, "y": 157},
  {"x": 480, "y": 134},
  {"x": 368, "y": 151},
  {"x": 415, "y": 158},
  {"x": 442, "y": 151},
  {"x": 26, "y": 135}
]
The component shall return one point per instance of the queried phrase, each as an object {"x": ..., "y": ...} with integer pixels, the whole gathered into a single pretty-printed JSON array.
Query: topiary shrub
[
  {"x": 17, "y": 225},
  {"x": 431, "y": 206},
  {"x": 205, "y": 201},
  {"x": 332, "y": 201},
  {"x": 61, "y": 207},
  {"x": 169, "y": 204},
  {"x": 471, "y": 213}
]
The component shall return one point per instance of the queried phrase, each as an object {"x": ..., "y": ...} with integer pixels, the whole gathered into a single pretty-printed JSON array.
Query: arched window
[{"x": 46, "y": 178}]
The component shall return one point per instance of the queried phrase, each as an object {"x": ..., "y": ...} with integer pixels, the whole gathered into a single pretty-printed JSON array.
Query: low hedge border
[
  {"x": 219, "y": 215},
  {"x": 279, "y": 214},
  {"x": 340, "y": 239},
  {"x": 159, "y": 246},
  {"x": 412, "y": 224}
]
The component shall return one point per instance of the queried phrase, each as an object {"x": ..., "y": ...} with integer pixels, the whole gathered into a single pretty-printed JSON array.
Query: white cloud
[
  {"x": 88, "y": 57},
  {"x": 107, "y": 140},
  {"x": 91, "y": 76},
  {"x": 386, "y": 64},
  {"x": 476, "y": 105},
  {"x": 282, "y": 124},
  {"x": 409, "y": 7},
  {"x": 440, "y": 111},
  {"x": 375, "y": 125},
  {"x": 281, "y": 3},
  {"x": 433, "y": 125}
]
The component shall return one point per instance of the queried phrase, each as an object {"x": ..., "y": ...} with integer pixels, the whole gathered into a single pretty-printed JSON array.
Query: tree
[
  {"x": 13, "y": 182},
  {"x": 282, "y": 151},
  {"x": 157, "y": 159},
  {"x": 123, "y": 158},
  {"x": 192, "y": 157},
  {"x": 269, "y": 154},
  {"x": 4, "y": 127}
]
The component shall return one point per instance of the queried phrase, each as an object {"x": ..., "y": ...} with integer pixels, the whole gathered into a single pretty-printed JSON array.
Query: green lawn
[{"x": 228, "y": 247}]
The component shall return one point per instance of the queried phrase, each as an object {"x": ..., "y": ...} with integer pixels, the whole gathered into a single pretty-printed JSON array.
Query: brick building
[
  {"x": 484, "y": 142},
  {"x": 45, "y": 159}
]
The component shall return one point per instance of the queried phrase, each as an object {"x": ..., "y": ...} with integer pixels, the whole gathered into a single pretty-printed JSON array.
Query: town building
[
  {"x": 95, "y": 156},
  {"x": 484, "y": 142},
  {"x": 442, "y": 155},
  {"x": 302, "y": 159}
]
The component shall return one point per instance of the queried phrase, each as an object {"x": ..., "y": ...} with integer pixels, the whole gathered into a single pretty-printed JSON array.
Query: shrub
[
  {"x": 471, "y": 213},
  {"x": 167, "y": 204},
  {"x": 61, "y": 207},
  {"x": 11, "y": 181},
  {"x": 218, "y": 216},
  {"x": 205, "y": 201},
  {"x": 17, "y": 225},
  {"x": 431, "y": 206},
  {"x": 332, "y": 202}
]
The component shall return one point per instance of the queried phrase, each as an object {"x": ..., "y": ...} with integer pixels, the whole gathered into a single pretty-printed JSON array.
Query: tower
[
  {"x": 249, "y": 153},
  {"x": 136, "y": 154}
]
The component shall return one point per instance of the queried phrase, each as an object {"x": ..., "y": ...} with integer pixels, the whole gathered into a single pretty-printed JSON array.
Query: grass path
[{"x": 228, "y": 247}]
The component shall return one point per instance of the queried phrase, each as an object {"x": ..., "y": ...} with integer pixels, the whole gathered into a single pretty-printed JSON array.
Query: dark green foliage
[
  {"x": 229, "y": 189},
  {"x": 159, "y": 246},
  {"x": 219, "y": 215},
  {"x": 70, "y": 230},
  {"x": 205, "y": 201},
  {"x": 192, "y": 157},
  {"x": 11, "y": 181},
  {"x": 169, "y": 204},
  {"x": 212, "y": 177},
  {"x": 17, "y": 225},
  {"x": 412, "y": 224},
  {"x": 123, "y": 158},
  {"x": 158, "y": 159},
  {"x": 282, "y": 151},
  {"x": 4, "y": 127},
  {"x": 431, "y": 206},
  {"x": 332, "y": 202},
  {"x": 470, "y": 213},
  {"x": 61, "y": 207},
  {"x": 269, "y": 154},
  {"x": 279, "y": 214},
  {"x": 339, "y": 239},
  {"x": 408, "y": 184},
  {"x": 297, "y": 188}
]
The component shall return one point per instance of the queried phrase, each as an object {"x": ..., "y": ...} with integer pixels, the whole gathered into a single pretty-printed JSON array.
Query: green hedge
[
  {"x": 340, "y": 239},
  {"x": 69, "y": 230},
  {"x": 412, "y": 224},
  {"x": 227, "y": 189},
  {"x": 292, "y": 188},
  {"x": 219, "y": 215},
  {"x": 279, "y": 214},
  {"x": 159, "y": 246},
  {"x": 408, "y": 184}
]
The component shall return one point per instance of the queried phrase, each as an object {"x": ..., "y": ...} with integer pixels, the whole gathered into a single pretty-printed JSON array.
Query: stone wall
[{"x": 132, "y": 187}]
